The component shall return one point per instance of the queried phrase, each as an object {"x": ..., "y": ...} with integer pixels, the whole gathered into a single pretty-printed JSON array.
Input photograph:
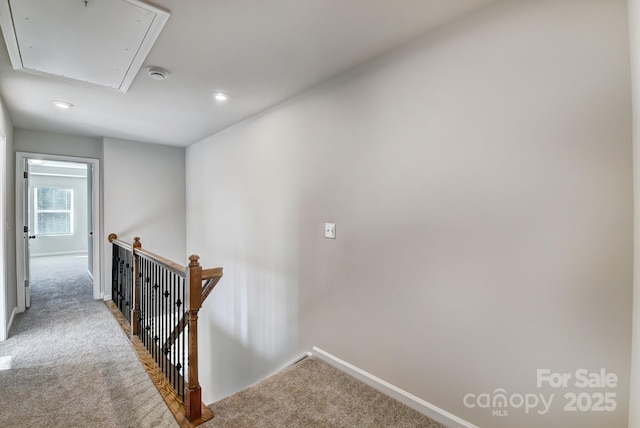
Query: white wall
[
  {"x": 481, "y": 182},
  {"x": 7, "y": 205},
  {"x": 144, "y": 196},
  {"x": 634, "y": 37},
  {"x": 51, "y": 143}
]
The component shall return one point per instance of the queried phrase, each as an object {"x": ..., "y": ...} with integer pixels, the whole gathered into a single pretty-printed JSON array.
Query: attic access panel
[{"x": 99, "y": 42}]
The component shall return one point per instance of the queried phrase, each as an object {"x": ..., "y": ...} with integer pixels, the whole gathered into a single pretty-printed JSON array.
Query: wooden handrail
[
  {"x": 113, "y": 238},
  {"x": 169, "y": 264},
  {"x": 211, "y": 273},
  {"x": 166, "y": 263},
  {"x": 198, "y": 284}
]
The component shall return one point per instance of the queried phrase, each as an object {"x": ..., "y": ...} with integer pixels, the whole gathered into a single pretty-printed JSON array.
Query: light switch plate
[{"x": 330, "y": 230}]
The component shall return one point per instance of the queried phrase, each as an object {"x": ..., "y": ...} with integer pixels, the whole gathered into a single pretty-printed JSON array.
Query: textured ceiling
[{"x": 259, "y": 51}]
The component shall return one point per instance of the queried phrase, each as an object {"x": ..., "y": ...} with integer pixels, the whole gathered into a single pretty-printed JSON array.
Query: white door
[
  {"x": 27, "y": 235},
  {"x": 90, "y": 217}
]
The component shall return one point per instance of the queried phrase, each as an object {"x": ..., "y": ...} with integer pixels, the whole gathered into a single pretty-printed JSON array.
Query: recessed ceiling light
[
  {"x": 62, "y": 104},
  {"x": 220, "y": 96}
]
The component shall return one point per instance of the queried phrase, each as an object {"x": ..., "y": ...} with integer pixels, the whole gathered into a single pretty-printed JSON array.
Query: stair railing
[{"x": 158, "y": 301}]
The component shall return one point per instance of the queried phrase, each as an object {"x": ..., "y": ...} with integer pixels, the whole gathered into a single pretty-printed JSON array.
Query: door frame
[
  {"x": 3, "y": 239},
  {"x": 97, "y": 225}
]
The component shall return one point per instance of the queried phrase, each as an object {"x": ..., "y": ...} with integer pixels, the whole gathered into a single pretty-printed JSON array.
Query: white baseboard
[
  {"x": 107, "y": 297},
  {"x": 416, "y": 403},
  {"x": 62, "y": 253}
]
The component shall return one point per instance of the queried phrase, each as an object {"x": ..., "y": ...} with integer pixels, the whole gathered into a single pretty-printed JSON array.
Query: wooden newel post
[
  {"x": 135, "y": 313},
  {"x": 114, "y": 270},
  {"x": 193, "y": 393}
]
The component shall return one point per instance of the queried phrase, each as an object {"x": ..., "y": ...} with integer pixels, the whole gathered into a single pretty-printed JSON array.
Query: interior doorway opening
[
  {"x": 57, "y": 214},
  {"x": 58, "y": 218}
]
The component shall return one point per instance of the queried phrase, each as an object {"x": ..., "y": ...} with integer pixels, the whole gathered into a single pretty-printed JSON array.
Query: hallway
[{"x": 67, "y": 363}]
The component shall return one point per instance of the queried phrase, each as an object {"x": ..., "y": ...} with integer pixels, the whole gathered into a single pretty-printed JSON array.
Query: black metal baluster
[
  {"x": 154, "y": 303},
  {"x": 184, "y": 334},
  {"x": 159, "y": 319},
  {"x": 120, "y": 282},
  {"x": 176, "y": 318},
  {"x": 179, "y": 308},
  {"x": 164, "y": 318},
  {"x": 175, "y": 327},
  {"x": 153, "y": 308},
  {"x": 114, "y": 273},
  {"x": 178, "y": 341},
  {"x": 143, "y": 301},
  {"x": 127, "y": 267},
  {"x": 125, "y": 289},
  {"x": 138, "y": 285},
  {"x": 147, "y": 327},
  {"x": 167, "y": 336},
  {"x": 126, "y": 301},
  {"x": 114, "y": 264},
  {"x": 157, "y": 312},
  {"x": 130, "y": 287},
  {"x": 149, "y": 305},
  {"x": 123, "y": 281},
  {"x": 170, "y": 324},
  {"x": 123, "y": 285}
]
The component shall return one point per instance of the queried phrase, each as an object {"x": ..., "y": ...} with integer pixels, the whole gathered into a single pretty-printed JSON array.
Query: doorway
[{"x": 57, "y": 212}]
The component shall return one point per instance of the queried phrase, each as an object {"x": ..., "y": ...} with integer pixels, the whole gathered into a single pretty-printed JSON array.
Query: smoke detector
[{"x": 157, "y": 73}]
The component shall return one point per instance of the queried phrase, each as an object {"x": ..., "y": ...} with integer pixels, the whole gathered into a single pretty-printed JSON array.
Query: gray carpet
[
  {"x": 313, "y": 394},
  {"x": 70, "y": 363}
]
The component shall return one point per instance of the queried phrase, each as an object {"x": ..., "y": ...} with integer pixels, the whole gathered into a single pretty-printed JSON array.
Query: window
[{"x": 54, "y": 211}]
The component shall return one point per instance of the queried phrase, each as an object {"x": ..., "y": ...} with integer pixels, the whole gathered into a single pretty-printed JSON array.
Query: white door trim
[
  {"x": 97, "y": 226},
  {"x": 4, "y": 325}
]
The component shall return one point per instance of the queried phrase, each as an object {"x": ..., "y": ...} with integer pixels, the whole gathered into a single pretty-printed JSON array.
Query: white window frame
[{"x": 36, "y": 211}]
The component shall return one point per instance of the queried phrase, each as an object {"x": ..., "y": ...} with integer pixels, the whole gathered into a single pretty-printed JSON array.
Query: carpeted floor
[
  {"x": 312, "y": 393},
  {"x": 68, "y": 364}
]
